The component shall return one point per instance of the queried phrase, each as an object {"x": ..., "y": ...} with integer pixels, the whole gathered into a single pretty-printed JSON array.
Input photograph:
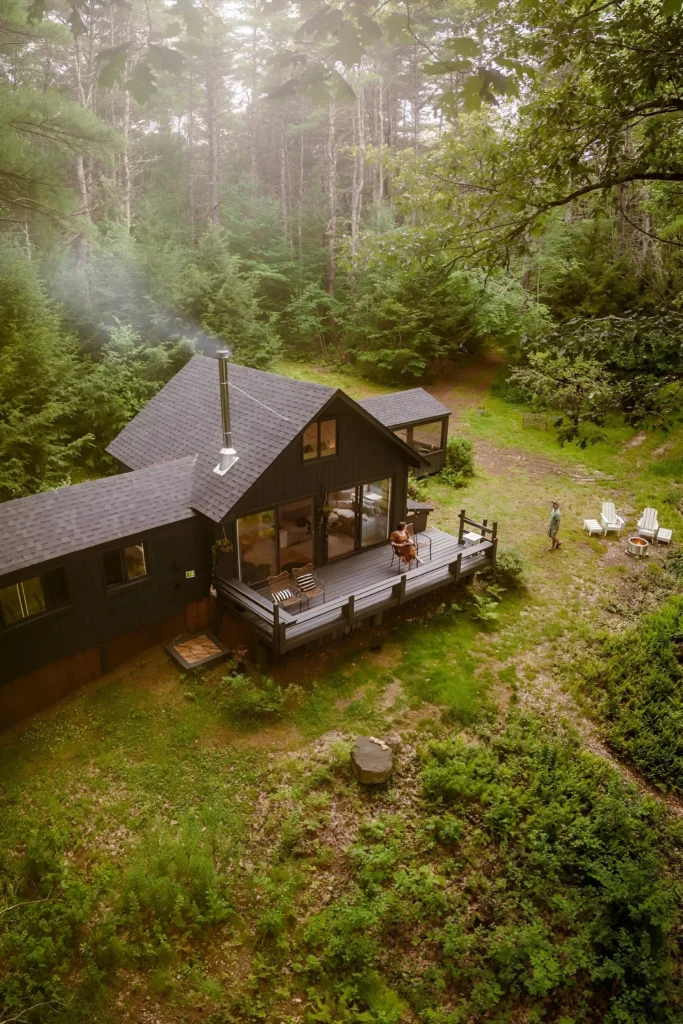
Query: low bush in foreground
[
  {"x": 636, "y": 681},
  {"x": 536, "y": 885}
]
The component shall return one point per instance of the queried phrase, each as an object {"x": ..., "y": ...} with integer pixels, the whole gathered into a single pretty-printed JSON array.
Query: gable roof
[
  {"x": 401, "y": 408},
  {"x": 268, "y": 411},
  {"x": 49, "y": 525}
]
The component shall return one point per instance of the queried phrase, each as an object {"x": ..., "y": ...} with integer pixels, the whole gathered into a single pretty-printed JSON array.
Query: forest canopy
[{"x": 390, "y": 187}]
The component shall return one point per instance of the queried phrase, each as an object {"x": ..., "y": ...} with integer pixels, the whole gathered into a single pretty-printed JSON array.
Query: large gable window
[
  {"x": 33, "y": 596},
  {"x": 320, "y": 440},
  {"x": 124, "y": 565}
]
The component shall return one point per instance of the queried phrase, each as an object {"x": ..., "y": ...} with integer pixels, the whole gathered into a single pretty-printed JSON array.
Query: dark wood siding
[
  {"x": 364, "y": 454},
  {"x": 96, "y": 615}
]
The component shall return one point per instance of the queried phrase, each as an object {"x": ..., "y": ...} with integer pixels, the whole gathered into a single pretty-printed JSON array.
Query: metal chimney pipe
[{"x": 228, "y": 454}]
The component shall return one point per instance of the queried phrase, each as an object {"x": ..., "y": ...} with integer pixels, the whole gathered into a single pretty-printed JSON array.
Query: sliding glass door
[
  {"x": 270, "y": 542},
  {"x": 257, "y": 546},
  {"x": 358, "y": 517},
  {"x": 295, "y": 534}
]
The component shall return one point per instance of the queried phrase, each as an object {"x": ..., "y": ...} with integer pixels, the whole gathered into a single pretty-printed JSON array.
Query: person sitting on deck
[{"x": 404, "y": 545}]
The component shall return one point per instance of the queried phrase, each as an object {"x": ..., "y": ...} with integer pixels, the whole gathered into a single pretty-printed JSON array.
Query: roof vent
[{"x": 228, "y": 454}]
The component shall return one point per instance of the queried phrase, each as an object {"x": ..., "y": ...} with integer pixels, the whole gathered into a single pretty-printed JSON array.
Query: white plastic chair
[
  {"x": 610, "y": 520},
  {"x": 648, "y": 525}
]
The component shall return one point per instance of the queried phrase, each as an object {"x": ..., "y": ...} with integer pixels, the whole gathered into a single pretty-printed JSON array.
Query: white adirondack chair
[
  {"x": 610, "y": 520},
  {"x": 648, "y": 525}
]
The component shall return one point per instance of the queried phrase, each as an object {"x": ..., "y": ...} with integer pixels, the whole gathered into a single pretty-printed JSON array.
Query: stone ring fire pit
[{"x": 637, "y": 546}]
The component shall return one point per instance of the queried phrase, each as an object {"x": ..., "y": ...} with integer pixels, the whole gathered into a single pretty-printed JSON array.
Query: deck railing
[{"x": 285, "y": 631}]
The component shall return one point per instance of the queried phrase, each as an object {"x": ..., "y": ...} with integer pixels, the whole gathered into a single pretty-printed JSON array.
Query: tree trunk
[
  {"x": 212, "y": 132},
  {"x": 190, "y": 153},
  {"x": 283, "y": 178},
  {"x": 331, "y": 189},
  {"x": 82, "y": 247},
  {"x": 358, "y": 173}
]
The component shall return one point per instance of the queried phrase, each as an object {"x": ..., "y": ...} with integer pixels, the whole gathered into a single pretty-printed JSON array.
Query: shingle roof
[
  {"x": 403, "y": 407},
  {"x": 267, "y": 412},
  {"x": 184, "y": 418},
  {"x": 56, "y": 523}
]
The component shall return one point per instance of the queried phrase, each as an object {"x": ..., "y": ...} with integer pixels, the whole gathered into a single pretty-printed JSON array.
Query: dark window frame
[
  {"x": 49, "y": 609},
  {"x": 125, "y": 582},
  {"x": 358, "y": 548},
  {"x": 313, "y": 498},
  {"x": 410, "y": 427},
  {"x": 318, "y": 457}
]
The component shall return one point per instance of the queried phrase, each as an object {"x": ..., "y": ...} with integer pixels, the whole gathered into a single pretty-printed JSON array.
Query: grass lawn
[{"x": 162, "y": 860}]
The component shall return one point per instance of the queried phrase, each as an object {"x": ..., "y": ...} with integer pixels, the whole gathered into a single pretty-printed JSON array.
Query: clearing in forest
[{"x": 174, "y": 852}]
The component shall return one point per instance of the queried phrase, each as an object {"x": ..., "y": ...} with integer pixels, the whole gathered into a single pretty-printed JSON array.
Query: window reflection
[
  {"x": 427, "y": 437},
  {"x": 341, "y": 522},
  {"x": 375, "y": 521},
  {"x": 295, "y": 523},
  {"x": 257, "y": 546}
]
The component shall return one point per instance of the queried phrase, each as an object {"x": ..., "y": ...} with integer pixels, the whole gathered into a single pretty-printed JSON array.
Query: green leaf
[
  {"x": 191, "y": 15},
  {"x": 142, "y": 82},
  {"x": 166, "y": 58},
  {"x": 448, "y": 102},
  {"x": 112, "y": 65},
  {"x": 313, "y": 24},
  {"x": 342, "y": 90},
  {"x": 76, "y": 23},
  {"x": 369, "y": 30},
  {"x": 446, "y": 67},
  {"x": 288, "y": 88},
  {"x": 671, "y": 7},
  {"x": 349, "y": 49},
  {"x": 396, "y": 27},
  {"x": 36, "y": 11},
  {"x": 473, "y": 93},
  {"x": 463, "y": 46}
]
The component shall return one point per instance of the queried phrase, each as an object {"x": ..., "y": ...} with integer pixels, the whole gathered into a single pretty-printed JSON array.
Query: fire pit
[{"x": 637, "y": 546}]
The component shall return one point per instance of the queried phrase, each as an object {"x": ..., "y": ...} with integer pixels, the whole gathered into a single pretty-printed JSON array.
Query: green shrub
[
  {"x": 674, "y": 565},
  {"x": 243, "y": 698},
  {"x": 459, "y": 462},
  {"x": 509, "y": 570},
  {"x": 172, "y": 886},
  {"x": 637, "y": 682}
]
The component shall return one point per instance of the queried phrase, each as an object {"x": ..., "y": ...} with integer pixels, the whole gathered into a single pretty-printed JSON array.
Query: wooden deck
[{"x": 356, "y": 589}]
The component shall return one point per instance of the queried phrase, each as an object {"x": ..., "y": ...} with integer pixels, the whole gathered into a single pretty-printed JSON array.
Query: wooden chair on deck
[
  {"x": 311, "y": 585},
  {"x": 396, "y": 548},
  {"x": 284, "y": 591}
]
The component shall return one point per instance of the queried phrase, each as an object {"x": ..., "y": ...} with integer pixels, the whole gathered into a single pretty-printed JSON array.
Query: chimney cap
[{"x": 223, "y": 353}]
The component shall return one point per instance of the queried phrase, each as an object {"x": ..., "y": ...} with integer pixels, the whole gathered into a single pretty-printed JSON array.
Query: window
[
  {"x": 124, "y": 565},
  {"x": 427, "y": 437},
  {"x": 33, "y": 596},
  {"x": 320, "y": 440},
  {"x": 257, "y": 546},
  {"x": 358, "y": 517}
]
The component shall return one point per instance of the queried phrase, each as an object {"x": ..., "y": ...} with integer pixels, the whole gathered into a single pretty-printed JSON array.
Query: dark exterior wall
[
  {"x": 95, "y": 615},
  {"x": 364, "y": 454}
]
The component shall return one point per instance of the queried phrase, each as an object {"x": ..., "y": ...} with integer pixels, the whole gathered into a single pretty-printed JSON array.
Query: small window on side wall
[
  {"x": 124, "y": 565},
  {"x": 33, "y": 596},
  {"x": 320, "y": 440}
]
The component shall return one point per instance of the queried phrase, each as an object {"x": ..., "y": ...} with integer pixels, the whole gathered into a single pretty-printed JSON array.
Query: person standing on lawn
[{"x": 554, "y": 526}]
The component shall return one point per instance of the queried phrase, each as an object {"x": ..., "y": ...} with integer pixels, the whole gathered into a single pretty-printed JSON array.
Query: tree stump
[{"x": 372, "y": 760}]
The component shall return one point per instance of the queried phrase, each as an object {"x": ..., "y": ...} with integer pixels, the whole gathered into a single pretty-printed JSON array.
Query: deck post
[
  {"x": 402, "y": 588},
  {"x": 461, "y": 528},
  {"x": 276, "y": 629},
  {"x": 455, "y": 568},
  {"x": 349, "y": 609},
  {"x": 483, "y": 528},
  {"x": 494, "y": 540}
]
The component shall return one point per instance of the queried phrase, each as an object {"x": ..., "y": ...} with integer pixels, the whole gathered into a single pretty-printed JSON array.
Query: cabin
[
  {"x": 417, "y": 418},
  {"x": 229, "y": 476}
]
